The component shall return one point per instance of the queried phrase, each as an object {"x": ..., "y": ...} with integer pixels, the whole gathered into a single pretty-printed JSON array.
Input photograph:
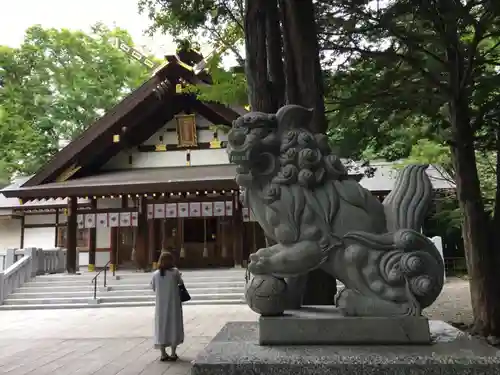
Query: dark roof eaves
[{"x": 89, "y": 135}]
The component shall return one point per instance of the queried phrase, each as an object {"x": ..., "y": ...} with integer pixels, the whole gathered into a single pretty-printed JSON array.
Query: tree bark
[
  {"x": 479, "y": 237},
  {"x": 292, "y": 94},
  {"x": 259, "y": 87},
  {"x": 273, "y": 82},
  {"x": 304, "y": 86},
  {"x": 304, "y": 80},
  {"x": 276, "y": 73}
]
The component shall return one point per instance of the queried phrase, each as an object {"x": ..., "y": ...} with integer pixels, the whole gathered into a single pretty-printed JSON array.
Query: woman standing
[{"x": 169, "y": 325}]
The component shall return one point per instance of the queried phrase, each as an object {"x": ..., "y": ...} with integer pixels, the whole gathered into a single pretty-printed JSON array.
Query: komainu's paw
[
  {"x": 263, "y": 261},
  {"x": 352, "y": 303},
  {"x": 259, "y": 265}
]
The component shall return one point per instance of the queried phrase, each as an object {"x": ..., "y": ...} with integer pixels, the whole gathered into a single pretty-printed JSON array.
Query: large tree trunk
[
  {"x": 480, "y": 249},
  {"x": 275, "y": 54},
  {"x": 301, "y": 76},
  {"x": 304, "y": 86},
  {"x": 304, "y": 80},
  {"x": 259, "y": 87}
]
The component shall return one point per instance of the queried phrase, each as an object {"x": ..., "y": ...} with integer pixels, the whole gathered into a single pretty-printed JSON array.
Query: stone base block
[
  {"x": 236, "y": 351},
  {"x": 325, "y": 325}
]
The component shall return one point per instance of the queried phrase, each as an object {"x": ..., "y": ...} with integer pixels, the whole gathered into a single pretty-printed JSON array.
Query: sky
[{"x": 18, "y": 15}]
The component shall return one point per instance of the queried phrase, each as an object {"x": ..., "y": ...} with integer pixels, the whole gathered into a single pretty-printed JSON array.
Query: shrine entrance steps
[{"x": 128, "y": 288}]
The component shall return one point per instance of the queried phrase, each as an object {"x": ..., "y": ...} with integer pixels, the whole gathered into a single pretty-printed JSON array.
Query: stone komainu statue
[{"x": 299, "y": 193}]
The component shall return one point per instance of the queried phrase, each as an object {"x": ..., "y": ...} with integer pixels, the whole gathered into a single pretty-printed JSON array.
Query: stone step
[
  {"x": 189, "y": 284},
  {"x": 142, "y": 277},
  {"x": 136, "y": 298},
  {"x": 76, "y": 283},
  {"x": 128, "y": 288},
  {"x": 36, "y": 288},
  {"x": 114, "y": 304},
  {"x": 237, "y": 274},
  {"x": 47, "y": 294}
]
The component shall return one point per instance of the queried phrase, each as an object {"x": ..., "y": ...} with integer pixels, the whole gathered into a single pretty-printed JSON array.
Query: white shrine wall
[{"x": 172, "y": 157}]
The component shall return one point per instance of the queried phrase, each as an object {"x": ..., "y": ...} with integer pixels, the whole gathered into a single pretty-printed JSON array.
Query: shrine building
[{"x": 151, "y": 174}]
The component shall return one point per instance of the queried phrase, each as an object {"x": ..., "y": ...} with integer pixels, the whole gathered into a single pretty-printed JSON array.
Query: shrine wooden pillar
[
  {"x": 115, "y": 239},
  {"x": 92, "y": 240},
  {"x": 238, "y": 232},
  {"x": 142, "y": 247},
  {"x": 56, "y": 229},
  {"x": 151, "y": 243},
  {"x": 72, "y": 226},
  {"x": 23, "y": 223},
  {"x": 113, "y": 248}
]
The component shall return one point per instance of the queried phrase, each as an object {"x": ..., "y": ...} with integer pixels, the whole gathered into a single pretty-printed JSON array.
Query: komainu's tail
[{"x": 407, "y": 204}]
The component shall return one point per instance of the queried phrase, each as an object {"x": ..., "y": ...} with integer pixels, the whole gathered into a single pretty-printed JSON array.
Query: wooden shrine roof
[
  {"x": 139, "y": 181},
  {"x": 155, "y": 103}
]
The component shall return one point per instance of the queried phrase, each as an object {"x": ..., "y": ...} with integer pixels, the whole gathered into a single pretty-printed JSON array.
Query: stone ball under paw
[{"x": 266, "y": 295}]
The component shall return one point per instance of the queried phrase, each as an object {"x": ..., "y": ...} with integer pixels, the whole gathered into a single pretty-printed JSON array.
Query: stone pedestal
[
  {"x": 235, "y": 351},
  {"x": 325, "y": 325}
]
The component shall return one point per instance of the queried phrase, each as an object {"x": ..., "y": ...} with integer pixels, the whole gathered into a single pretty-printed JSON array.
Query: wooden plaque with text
[{"x": 186, "y": 131}]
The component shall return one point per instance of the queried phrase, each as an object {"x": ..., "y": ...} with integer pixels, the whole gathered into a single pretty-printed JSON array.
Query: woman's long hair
[{"x": 165, "y": 262}]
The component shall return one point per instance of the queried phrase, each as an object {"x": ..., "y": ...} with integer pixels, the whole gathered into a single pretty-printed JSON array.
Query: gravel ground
[{"x": 453, "y": 305}]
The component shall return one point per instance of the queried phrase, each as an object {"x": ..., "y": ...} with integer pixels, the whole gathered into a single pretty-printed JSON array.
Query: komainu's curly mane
[{"x": 273, "y": 149}]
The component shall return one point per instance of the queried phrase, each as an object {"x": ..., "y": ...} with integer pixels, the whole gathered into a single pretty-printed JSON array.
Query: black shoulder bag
[{"x": 184, "y": 294}]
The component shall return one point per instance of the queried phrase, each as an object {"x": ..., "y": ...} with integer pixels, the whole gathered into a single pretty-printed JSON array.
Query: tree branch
[
  {"x": 392, "y": 54},
  {"x": 491, "y": 49},
  {"x": 406, "y": 40},
  {"x": 232, "y": 16},
  {"x": 381, "y": 24},
  {"x": 431, "y": 10},
  {"x": 220, "y": 38}
]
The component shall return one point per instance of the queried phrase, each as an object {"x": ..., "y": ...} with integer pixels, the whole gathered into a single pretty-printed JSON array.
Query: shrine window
[{"x": 82, "y": 238}]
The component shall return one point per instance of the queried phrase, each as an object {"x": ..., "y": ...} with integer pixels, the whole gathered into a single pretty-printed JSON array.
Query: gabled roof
[{"x": 156, "y": 100}]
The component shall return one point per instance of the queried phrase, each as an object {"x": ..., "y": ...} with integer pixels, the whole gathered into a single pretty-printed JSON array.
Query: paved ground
[
  {"x": 117, "y": 341},
  {"x": 453, "y": 305}
]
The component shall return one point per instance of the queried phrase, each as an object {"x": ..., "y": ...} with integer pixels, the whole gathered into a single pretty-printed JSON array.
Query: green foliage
[
  {"x": 380, "y": 111},
  {"x": 217, "y": 22},
  {"x": 228, "y": 88},
  {"x": 394, "y": 69},
  {"x": 56, "y": 84},
  {"x": 399, "y": 69},
  {"x": 487, "y": 174},
  {"x": 4, "y": 174}
]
